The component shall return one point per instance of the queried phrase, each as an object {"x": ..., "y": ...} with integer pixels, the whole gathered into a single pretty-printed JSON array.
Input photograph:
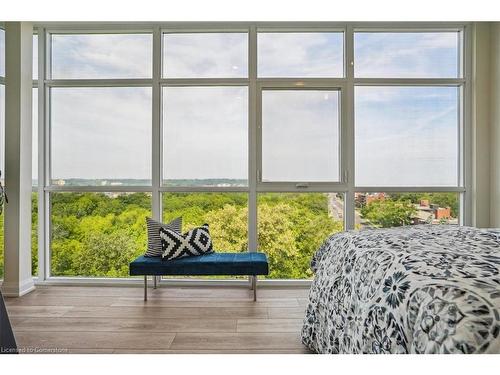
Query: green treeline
[{"x": 98, "y": 234}]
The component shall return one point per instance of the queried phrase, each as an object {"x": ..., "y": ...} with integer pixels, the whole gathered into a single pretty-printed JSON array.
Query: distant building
[
  {"x": 432, "y": 213},
  {"x": 372, "y": 197},
  {"x": 362, "y": 199},
  {"x": 442, "y": 213},
  {"x": 60, "y": 182},
  {"x": 424, "y": 203}
]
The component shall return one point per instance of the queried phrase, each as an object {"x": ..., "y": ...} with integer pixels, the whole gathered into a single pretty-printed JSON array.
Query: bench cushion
[{"x": 213, "y": 264}]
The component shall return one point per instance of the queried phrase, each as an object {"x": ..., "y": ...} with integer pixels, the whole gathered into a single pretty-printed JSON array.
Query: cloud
[
  {"x": 102, "y": 56},
  {"x": 300, "y": 135},
  {"x": 205, "y": 132},
  {"x": 300, "y": 54},
  {"x": 408, "y": 137},
  {"x": 205, "y": 55},
  {"x": 406, "y": 55},
  {"x": 106, "y": 132},
  {"x": 101, "y": 132}
]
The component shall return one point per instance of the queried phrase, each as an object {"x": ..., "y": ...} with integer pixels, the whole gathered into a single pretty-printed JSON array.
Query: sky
[
  {"x": 300, "y": 129},
  {"x": 404, "y": 136}
]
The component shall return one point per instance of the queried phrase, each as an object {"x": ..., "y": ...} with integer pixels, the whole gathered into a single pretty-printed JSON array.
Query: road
[{"x": 336, "y": 209}]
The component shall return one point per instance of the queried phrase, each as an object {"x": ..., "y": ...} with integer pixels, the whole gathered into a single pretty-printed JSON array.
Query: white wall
[
  {"x": 481, "y": 125},
  {"x": 494, "y": 134},
  {"x": 486, "y": 124}
]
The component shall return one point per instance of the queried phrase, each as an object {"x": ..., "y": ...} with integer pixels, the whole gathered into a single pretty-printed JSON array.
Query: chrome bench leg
[
  {"x": 145, "y": 288},
  {"x": 254, "y": 287}
]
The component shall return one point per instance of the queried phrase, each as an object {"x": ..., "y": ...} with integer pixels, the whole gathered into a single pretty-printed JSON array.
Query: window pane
[
  {"x": 2, "y": 132},
  {"x": 102, "y": 56},
  {"x": 300, "y": 54},
  {"x": 383, "y": 210},
  {"x": 34, "y": 195},
  {"x": 34, "y": 233},
  {"x": 205, "y": 55},
  {"x": 225, "y": 213},
  {"x": 300, "y": 135},
  {"x": 205, "y": 136},
  {"x": 292, "y": 226},
  {"x": 97, "y": 234},
  {"x": 101, "y": 136},
  {"x": 406, "y": 136},
  {"x": 34, "y": 139},
  {"x": 35, "y": 56},
  {"x": 1, "y": 243},
  {"x": 2, "y": 163},
  {"x": 406, "y": 55},
  {"x": 2, "y": 53}
]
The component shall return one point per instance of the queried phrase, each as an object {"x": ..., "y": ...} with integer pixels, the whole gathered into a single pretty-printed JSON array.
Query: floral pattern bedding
[{"x": 419, "y": 289}]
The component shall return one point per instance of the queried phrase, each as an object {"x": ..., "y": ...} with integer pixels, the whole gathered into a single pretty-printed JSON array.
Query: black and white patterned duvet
[{"x": 421, "y": 289}]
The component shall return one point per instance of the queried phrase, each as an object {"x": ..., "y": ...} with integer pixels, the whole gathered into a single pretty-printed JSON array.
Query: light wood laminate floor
[{"x": 90, "y": 319}]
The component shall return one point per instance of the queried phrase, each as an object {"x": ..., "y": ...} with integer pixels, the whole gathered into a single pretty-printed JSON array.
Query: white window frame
[{"x": 346, "y": 84}]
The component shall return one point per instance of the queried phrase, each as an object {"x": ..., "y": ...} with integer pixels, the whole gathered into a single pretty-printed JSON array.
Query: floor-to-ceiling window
[
  {"x": 99, "y": 180},
  {"x": 408, "y": 96},
  {"x": 301, "y": 96},
  {"x": 275, "y": 135},
  {"x": 2, "y": 140}
]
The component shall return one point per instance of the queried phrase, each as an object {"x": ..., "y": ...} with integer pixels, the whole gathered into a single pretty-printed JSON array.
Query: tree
[
  {"x": 95, "y": 234},
  {"x": 389, "y": 213}
]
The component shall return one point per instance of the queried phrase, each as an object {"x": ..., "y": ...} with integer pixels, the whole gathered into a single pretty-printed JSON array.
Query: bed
[{"x": 417, "y": 289}]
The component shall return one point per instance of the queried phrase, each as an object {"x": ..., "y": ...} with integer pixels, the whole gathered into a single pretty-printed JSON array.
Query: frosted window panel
[
  {"x": 300, "y": 54},
  {"x": 205, "y": 136},
  {"x": 95, "y": 56},
  {"x": 2, "y": 53},
  {"x": 2, "y": 131},
  {"x": 406, "y": 136},
  {"x": 35, "y": 56},
  {"x": 205, "y": 55},
  {"x": 406, "y": 54},
  {"x": 101, "y": 136},
  {"x": 300, "y": 135}
]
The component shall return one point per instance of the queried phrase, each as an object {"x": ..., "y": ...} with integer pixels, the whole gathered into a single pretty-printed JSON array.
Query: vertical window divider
[
  {"x": 252, "y": 140},
  {"x": 347, "y": 141},
  {"x": 466, "y": 126},
  {"x": 44, "y": 75},
  {"x": 43, "y": 157},
  {"x": 156, "y": 147}
]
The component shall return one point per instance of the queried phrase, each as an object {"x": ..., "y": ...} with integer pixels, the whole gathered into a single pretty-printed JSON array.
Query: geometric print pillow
[
  {"x": 195, "y": 242},
  {"x": 154, "y": 241}
]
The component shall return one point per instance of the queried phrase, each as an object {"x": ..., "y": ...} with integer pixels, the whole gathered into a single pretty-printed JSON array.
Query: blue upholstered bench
[{"x": 213, "y": 264}]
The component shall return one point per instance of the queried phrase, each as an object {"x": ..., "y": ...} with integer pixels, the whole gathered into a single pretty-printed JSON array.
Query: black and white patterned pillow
[
  {"x": 154, "y": 241},
  {"x": 195, "y": 242}
]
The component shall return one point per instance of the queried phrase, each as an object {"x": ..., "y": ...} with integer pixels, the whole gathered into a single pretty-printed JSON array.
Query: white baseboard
[{"x": 12, "y": 289}]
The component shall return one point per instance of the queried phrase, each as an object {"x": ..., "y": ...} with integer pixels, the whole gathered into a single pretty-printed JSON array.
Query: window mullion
[
  {"x": 156, "y": 147},
  {"x": 347, "y": 136},
  {"x": 253, "y": 149}
]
